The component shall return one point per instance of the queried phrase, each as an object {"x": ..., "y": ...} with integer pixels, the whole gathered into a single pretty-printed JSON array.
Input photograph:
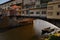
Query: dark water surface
[
  {"x": 25, "y": 32},
  {"x": 20, "y": 33}
]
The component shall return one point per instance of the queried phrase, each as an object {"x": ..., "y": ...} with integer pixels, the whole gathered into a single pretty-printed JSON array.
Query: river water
[
  {"x": 20, "y": 33},
  {"x": 25, "y": 32}
]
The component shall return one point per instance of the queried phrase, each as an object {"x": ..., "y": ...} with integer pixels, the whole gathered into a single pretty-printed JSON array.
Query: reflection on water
[{"x": 20, "y": 33}]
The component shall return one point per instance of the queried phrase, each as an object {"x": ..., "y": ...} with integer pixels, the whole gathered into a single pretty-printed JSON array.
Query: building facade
[
  {"x": 27, "y": 5},
  {"x": 8, "y": 4},
  {"x": 53, "y": 9},
  {"x": 34, "y": 8},
  {"x": 37, "y": 8}
]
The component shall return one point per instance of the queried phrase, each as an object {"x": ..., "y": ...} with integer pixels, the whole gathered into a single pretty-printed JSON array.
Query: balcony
[
  {"x": 38, "y": 6},
  {"x": 44, "y": 5}
]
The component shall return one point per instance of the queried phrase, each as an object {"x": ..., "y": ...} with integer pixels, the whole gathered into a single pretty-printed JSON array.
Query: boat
[{"x": 39, "y": 25}]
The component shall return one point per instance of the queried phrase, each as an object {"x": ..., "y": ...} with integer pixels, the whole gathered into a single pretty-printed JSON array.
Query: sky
[{"x": 2, "y": 1}]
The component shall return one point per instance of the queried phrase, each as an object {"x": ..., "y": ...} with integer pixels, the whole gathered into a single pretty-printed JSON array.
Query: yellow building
[{"x": 53, "y": 9}]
